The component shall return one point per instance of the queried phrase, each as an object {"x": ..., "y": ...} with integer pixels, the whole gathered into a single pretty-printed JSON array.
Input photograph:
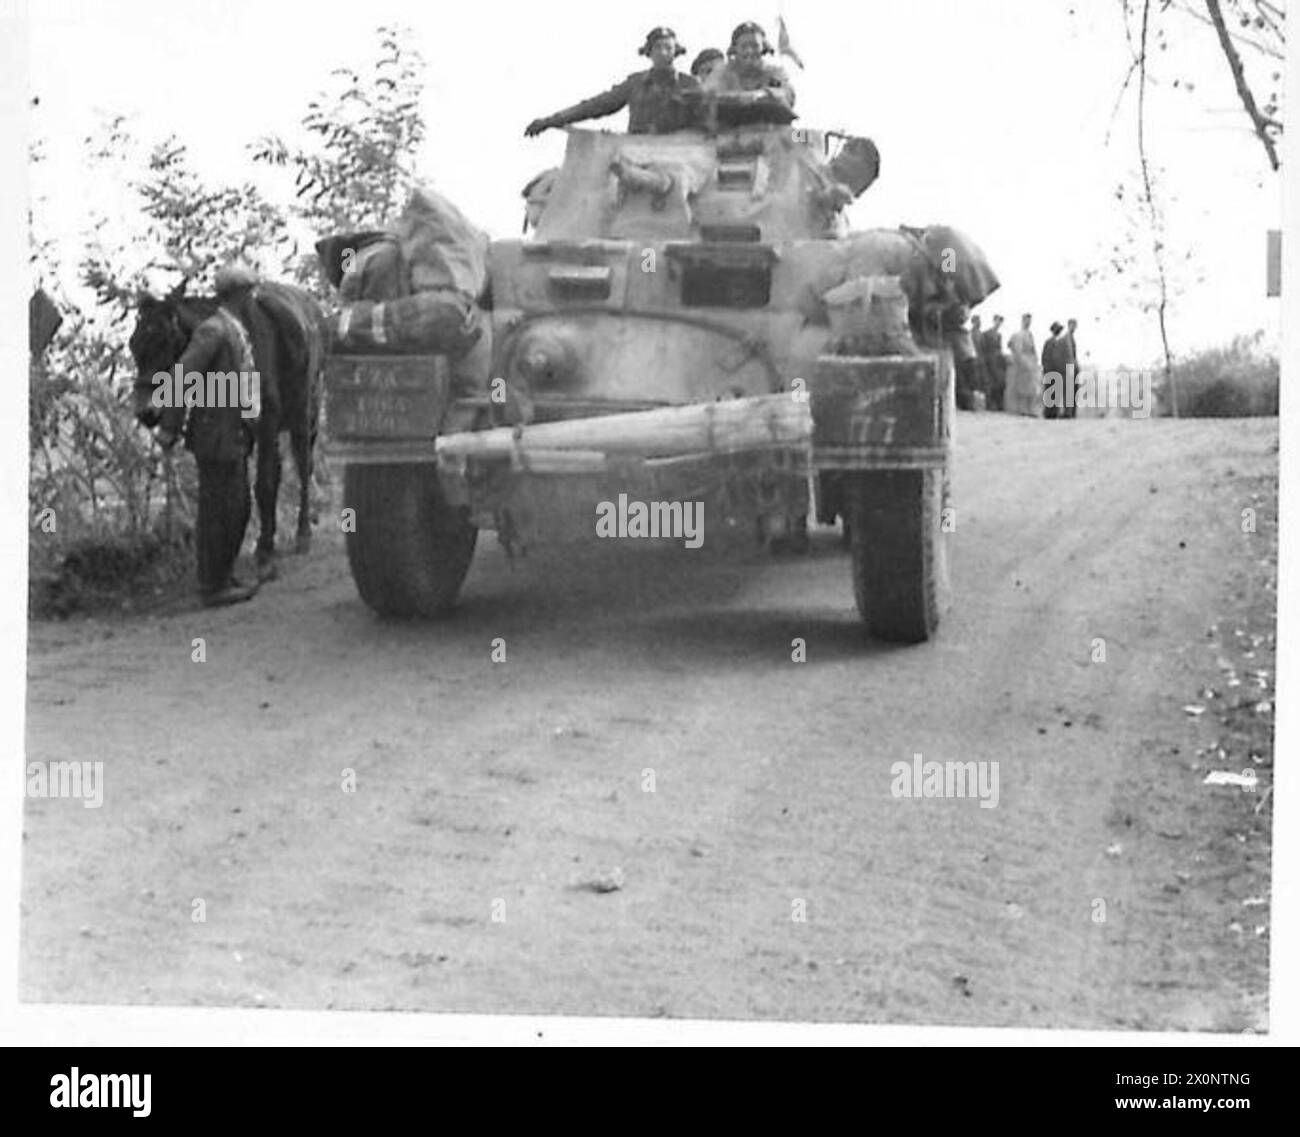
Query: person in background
[
  {"x": 980, "y": 382},
  {"x": 1072, "y": 361},
  {"x": 659, "y": 100},
  {"x": 1024, "y": 393},
  {"x": 1054, "y": 373},
  {"x": 995, "y": 364},
  {"x": 964, "y": 356}
]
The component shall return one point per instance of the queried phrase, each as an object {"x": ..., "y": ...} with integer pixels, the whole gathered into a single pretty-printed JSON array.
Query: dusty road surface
[{"x": 649, "y": 809}]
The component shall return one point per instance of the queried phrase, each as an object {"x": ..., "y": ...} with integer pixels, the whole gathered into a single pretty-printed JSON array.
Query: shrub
[
  {"x": 88, "y": 573},
  {"x": 1237, "y": 380}
]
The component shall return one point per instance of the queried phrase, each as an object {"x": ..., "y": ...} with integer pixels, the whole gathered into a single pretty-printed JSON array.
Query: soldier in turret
[
  {"x": 747, "y": 71},
  {"x": 659, "y": 100},
  {"x": 706, "y": 63}
]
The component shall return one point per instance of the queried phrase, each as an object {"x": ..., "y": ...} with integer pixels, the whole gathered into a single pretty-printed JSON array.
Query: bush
[
  {"x": 91, "y": 573},
  {"x": 91, "y": 462},
  {"x": 1238, "y": 380},
  {"x": 110, "y": 512}
]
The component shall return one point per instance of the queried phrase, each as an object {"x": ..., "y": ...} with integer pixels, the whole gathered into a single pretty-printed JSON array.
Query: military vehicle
[{"x": 665, "y": 333}]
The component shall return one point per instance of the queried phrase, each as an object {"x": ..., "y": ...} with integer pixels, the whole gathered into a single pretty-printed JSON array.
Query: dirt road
[{"x": 631, "y": 813}]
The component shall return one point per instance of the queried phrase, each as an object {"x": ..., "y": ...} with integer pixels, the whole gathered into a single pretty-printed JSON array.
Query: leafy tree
[
  {"x": 359, "y": 166},
  {"x": 189, "y": 227}
]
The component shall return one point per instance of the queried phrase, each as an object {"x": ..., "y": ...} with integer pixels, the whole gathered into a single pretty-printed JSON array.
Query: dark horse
[{"x": 284, "y": 328}]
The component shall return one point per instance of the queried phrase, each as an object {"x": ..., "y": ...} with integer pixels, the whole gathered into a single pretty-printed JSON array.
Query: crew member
[
  {"x": 747, "y": 71},
  {"x": 708, "y": 61},
  {"x": 659, "y": 100}
]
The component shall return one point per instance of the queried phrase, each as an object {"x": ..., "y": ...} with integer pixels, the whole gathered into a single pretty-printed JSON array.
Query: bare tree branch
[
  {"x": 1260, "y": 122},
  {"x": 1119, "y": 98},
  {"x": 1262, "y": 48},
  {"x": 1273, "y": 17},
  {"x": 1153, "y": 212}
]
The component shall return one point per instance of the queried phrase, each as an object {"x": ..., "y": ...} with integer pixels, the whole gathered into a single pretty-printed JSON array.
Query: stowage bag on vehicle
[
  {"x": 376, "y": 272},
  {"x": 444, "y": 322},
  {"x": 440, "y": 246}
]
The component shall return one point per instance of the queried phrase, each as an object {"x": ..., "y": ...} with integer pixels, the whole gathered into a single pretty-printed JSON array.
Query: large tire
[
  {"x": 408, "y": 549},
  {"x": 900, "y": 563}
]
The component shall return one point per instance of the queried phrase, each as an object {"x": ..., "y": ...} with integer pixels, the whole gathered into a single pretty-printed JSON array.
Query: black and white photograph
[{"x": 668, "y": 515}]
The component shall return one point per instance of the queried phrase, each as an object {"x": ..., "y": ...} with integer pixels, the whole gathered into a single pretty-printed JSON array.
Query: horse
[{"x": 285, "y": 330}]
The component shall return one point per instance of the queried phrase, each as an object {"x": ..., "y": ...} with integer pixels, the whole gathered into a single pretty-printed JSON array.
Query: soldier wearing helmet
[
  {"x": 659, "y": 100},
  {"x": 708, "y": 61},
  {"x": 747, "y": 75}
]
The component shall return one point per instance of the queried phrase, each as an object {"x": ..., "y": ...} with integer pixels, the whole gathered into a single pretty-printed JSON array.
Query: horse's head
[{"x": 158, "y": 341}]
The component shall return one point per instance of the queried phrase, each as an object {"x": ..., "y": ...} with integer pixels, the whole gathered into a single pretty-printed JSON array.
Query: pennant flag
[{"x": 783, "y": 42}]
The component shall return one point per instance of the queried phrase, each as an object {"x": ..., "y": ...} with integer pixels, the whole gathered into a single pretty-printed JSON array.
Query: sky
[{"x": 992, "y": 117}]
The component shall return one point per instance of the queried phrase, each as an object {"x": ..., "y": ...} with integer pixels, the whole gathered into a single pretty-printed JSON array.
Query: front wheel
[
  {"x": 897, "y": 536},
  {"x": 408, "y": 549}
]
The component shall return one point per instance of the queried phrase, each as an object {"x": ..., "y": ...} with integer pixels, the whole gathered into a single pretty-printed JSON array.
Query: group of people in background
[{"x": 1013, "y": 380}]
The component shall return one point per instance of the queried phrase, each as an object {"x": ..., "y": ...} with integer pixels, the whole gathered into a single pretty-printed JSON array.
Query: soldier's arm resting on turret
[
  {"x": 778, "y": 87},
  {"x": 771, "y": 85},
  {"x": 608, "y": 102}
]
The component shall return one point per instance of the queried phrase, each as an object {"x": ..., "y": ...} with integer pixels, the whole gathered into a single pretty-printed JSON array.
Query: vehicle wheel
[
  {"x": 408, "y": 550},
  {"x": 900, "y": 566}
]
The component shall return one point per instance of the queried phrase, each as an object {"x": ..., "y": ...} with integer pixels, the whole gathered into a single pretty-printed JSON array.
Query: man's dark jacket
[
  {"x": 658, "y": 102},
  {"x": 1055, "y": 356},
  {"x": 214, "y": 434}
]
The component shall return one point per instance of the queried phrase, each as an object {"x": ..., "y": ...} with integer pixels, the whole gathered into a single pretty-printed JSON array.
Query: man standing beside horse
[{"x": 221, "y": 438}]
